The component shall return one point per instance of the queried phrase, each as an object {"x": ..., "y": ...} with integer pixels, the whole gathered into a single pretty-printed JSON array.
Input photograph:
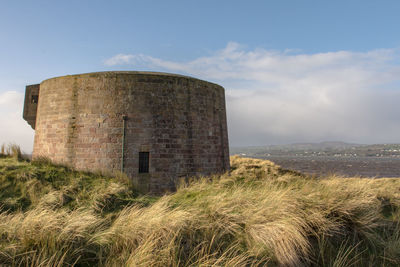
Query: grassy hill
[{"x": 256, "y": 215}]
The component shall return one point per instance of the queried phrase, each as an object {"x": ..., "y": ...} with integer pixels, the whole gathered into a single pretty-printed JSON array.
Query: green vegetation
[{"x": 256, "y": 215}]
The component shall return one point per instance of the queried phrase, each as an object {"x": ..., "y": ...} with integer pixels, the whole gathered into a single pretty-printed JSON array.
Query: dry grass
[
  {"x": 11, "y": 150},
  {"x": 256, "y": 215}
]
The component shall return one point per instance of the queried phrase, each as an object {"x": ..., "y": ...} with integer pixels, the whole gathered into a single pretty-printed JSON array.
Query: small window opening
[
  {"x": 35, "y": 99},
  {"x": 143, "y": 162}
]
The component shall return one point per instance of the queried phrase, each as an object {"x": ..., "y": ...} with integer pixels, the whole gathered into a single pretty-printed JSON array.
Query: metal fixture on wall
[{"x": 124, "y": 117}]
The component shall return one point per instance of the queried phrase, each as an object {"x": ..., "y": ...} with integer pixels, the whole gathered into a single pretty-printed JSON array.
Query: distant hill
[
  {"x": 316, "y": 146},
  {"x": 335, "y": 148}
]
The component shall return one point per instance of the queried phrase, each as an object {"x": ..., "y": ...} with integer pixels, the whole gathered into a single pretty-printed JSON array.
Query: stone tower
[{"x": 155, "y": 127}]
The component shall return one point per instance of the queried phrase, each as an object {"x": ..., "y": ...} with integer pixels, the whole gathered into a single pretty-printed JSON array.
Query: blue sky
[{"x": 294, "y": 71}]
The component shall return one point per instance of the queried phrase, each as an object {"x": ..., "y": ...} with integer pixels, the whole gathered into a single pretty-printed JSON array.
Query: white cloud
[
  {"x": 9, "y": 98},
  {"x": 13, "y": 129},
  {"x": 283, "y": 97},
  {"x": 122, "y": 59}
]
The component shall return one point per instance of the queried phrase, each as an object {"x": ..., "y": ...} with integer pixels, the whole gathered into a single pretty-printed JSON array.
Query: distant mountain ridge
[
  {"x": 304, "y": 146},
  {"x": 317, "y": 146},
  {"x": 327, "y": 148}
]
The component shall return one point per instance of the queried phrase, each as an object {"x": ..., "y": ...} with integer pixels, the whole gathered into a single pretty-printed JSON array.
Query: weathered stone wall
[
  {"x": 180, "y": 121},
  {"x": 31, "y": 103}
]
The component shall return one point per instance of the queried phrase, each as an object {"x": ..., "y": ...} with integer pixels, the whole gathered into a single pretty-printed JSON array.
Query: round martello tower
[{"x": 155, "y": 127}]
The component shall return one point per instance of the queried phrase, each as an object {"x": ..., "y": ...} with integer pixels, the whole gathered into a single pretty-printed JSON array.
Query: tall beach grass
[
  {"x": 256, "y": 215},
  {"x": 11, "y": 150}
]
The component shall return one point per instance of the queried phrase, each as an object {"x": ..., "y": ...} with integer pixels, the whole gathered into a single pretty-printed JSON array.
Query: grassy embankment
[{"x": 256, "y": 215}]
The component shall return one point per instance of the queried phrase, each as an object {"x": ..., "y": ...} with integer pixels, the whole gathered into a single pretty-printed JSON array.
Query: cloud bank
[
  {"x": 278, "y": 97},
  {"x": 13, "y": 129}
]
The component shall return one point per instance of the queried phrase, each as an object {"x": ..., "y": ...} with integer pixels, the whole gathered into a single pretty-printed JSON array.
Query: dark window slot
[
  {"x": 35, "y": 99},
  {"x": 143, "y": 162}
]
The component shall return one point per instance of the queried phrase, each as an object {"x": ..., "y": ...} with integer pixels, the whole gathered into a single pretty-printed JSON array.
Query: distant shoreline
[{"x": 372, "y": 167}]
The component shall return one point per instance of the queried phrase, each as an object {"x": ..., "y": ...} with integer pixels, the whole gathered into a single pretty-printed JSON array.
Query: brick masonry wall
[{"x": 180, "y": 121}]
